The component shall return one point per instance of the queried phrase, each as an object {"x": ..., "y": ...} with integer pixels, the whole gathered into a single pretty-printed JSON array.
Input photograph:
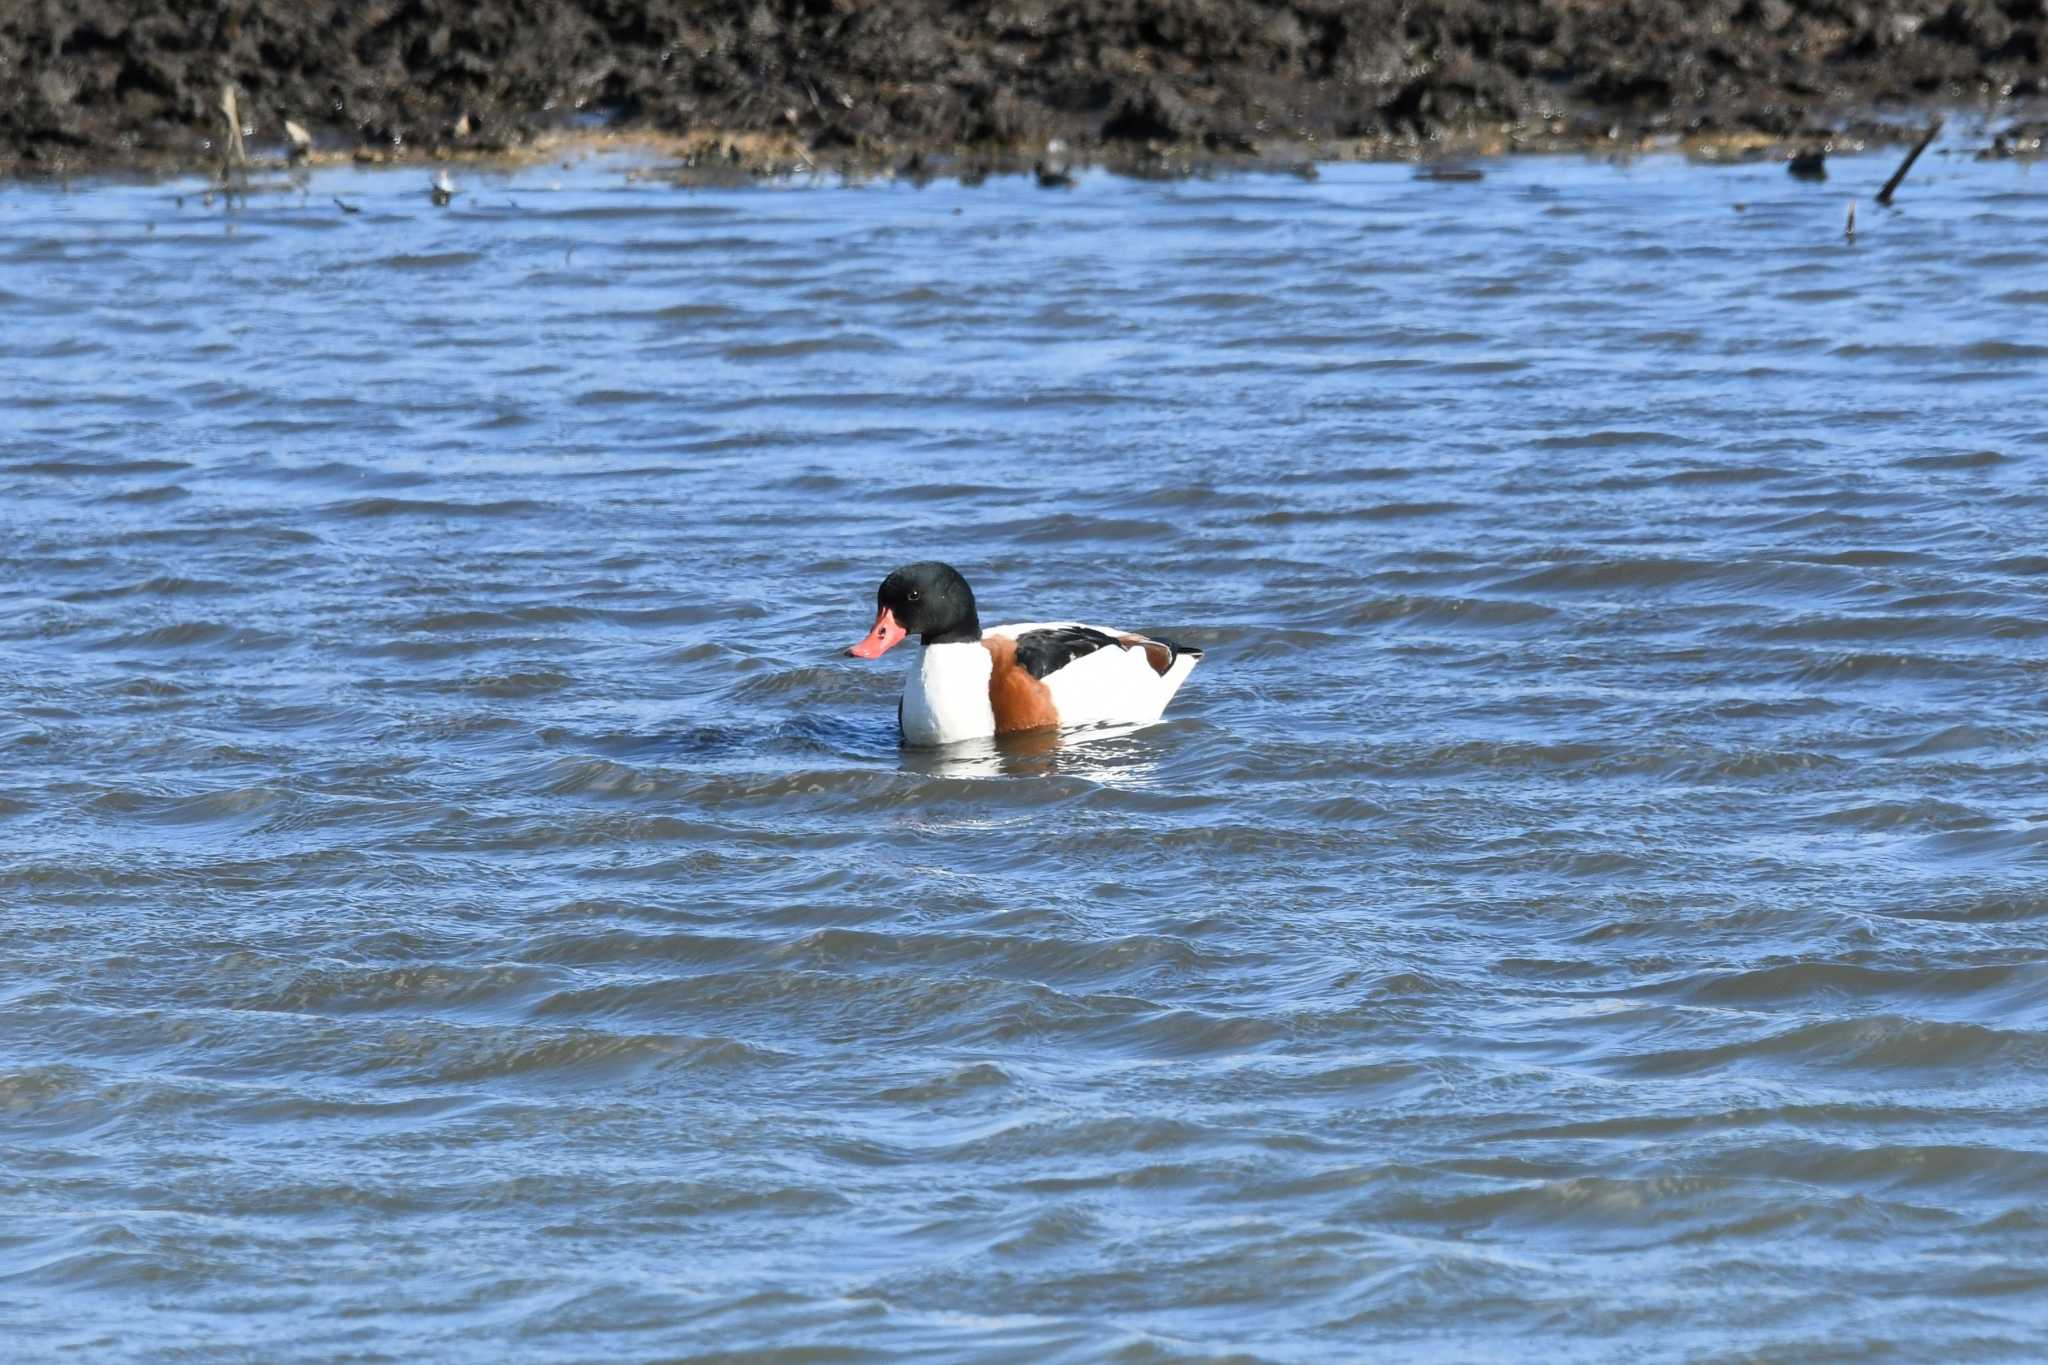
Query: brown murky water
[{"x": 1590, "y": 904}]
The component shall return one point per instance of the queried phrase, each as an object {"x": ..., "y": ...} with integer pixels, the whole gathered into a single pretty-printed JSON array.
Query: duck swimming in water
[{"x": 971, "y": 683}]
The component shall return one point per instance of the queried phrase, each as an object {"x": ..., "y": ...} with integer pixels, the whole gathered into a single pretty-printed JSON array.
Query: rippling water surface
[{"x": 1591, "y": 904}]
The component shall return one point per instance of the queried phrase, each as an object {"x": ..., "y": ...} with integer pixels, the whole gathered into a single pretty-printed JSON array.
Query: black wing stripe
[{"x": 1040, "y": 652}]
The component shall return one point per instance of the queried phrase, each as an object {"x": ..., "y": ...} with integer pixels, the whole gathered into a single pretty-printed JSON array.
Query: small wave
[
  {"x": 618, "y": 398},
  {"x": 1307, "y": 341},
  {"x": 432, "y": 260},
  {"x": 615, "y": 947},
  {"x": 1857, "y": 667},
  {"x": 454, "y": 646},
  {"x": 812, "y": 483},
  {"x": 1820, "y": 629},
  {"x": 114, "y": 468},
  {"x": 296, "y": 1110},
  {"x": 150, "y": 497},
  {"x": 1997, "y": 907},
  {"x": 951, "y": 1085},
  {"x": 190, "y": 635},
  {"x": 340, "y": 472},
  {"x": 150, "y": 1270},
  {"x": 1067, "y": 963},
  {"x": 674, "y": 614},
  {"x": 601, "y": 213},
  {"x": 1484, "y": 367},
  {"x": 1918, "y": 354},
  {"x": 1469, "y": 612},
  {"x": 857, "y": 343},
  {"x": 69, "y": 348},
  {"x": 822, "y": 683},
  {"x": 597, "y": 777},
  {"x": 1068, "y": 527},
  {"x": 407, "y": 507},
  {"x": 1989, "y": 839},
  {"x": 1217, "y": 301},
  {"x": 234, "y": 805},
  {"x": 358, "y": 990},
  {"x": 475, "y": 619},
  {"x": 534, "y": 683},
  {"x": 951, "y": 492},
  {"x": 1609, "y": 440},
  {"x": 1903, "y": 814},
  {"x": 1509, "y": 754},
  {"x": 1202, "y": 497},
  {"x": 1385, "y": 511},
  {"x": 1748, "y": 764},
  {"x": 582, "y": 1057},
  {"x": 1975, "y": 459},
  {"x": 161, "y": 586},
  {"x": 1881, "y": 1043},
  {"x": 1664, "y": 1205},
  {"x": 1961, "y": 739},
  {"x": 663, "y": 246},
  {"x": 1866, "y": 559},
  {"x": 1610, "y": 574},
  {"x": 1352, "y": 474},
  {"x": 1913, "y": 1166},
  {"x": 1999, "y": 990},
  {"x": 2004, "y": 350},
  {"x": 1713, "y": 476}
]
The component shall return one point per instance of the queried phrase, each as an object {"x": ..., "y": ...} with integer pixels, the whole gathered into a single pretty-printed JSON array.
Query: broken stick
[{"x": 1884, "y": 196}]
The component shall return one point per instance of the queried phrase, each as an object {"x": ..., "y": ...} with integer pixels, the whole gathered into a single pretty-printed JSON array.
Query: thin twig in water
[
  {"x": 1884, "y": 196},
  {"x": 1850, "y": 230}
]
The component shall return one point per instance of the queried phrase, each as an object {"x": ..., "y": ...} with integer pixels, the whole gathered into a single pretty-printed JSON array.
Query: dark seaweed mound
[{"x": 87, "y": 83}]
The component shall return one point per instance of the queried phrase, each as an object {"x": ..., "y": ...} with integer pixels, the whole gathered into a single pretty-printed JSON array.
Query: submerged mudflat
[{"x": 459, "y": 904}]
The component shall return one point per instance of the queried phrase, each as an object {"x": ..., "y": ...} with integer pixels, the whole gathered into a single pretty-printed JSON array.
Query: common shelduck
[{"x": 972, "y": 683}]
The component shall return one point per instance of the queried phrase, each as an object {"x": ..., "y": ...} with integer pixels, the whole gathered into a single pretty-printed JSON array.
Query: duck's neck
[{"x": 966, "y": 632}]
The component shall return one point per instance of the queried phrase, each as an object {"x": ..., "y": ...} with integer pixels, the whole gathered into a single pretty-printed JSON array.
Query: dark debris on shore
[{"x": 105, "y": 84}]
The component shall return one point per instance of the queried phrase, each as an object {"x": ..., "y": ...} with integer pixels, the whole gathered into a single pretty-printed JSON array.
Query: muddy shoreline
[{"x": 99, "y": 86}]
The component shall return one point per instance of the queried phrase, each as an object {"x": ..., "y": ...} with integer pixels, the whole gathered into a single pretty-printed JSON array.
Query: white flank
[{"x": 1112, "y": 686}]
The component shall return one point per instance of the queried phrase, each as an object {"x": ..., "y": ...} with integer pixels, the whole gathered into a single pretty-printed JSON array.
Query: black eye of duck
[{"x": 915, "y": 594}]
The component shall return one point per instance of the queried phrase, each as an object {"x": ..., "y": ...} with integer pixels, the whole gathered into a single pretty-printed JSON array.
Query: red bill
[{"x": 884, "y": 637}]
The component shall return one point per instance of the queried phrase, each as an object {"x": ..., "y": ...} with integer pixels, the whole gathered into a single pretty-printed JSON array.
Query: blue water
[{"x": 457, "y": 902}]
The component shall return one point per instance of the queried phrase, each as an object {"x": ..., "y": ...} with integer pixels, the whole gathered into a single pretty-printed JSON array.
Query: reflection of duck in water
[
  {"x": 1105, "y": 755},
  {"x": 970, "y": 683}
]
